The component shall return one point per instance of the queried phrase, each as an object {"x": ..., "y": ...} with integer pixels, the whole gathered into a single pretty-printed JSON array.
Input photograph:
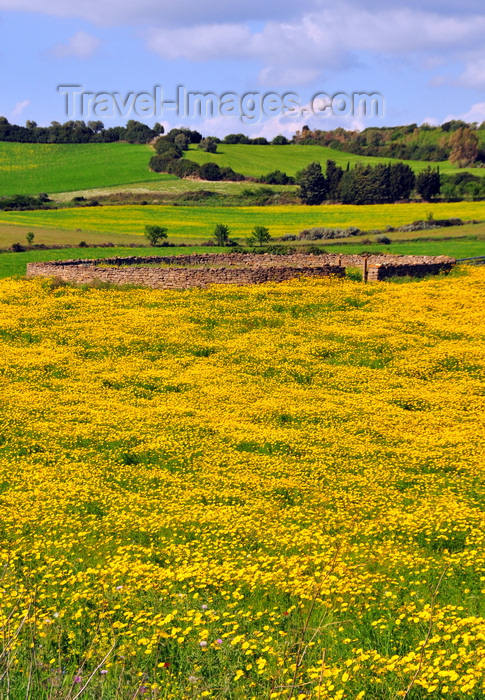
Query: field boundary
[{"x": 201, "y": 270}]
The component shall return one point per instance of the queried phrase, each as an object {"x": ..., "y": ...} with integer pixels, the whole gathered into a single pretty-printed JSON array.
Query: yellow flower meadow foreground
[{"x": 256, "y": 492}]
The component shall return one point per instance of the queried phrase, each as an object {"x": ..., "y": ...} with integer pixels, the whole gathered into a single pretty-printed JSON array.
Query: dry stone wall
[{"x": 186, "y": 271}]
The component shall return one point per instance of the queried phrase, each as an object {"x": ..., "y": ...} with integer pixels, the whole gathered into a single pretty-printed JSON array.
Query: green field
[
  {"x": 259, "y": 160},
  {"x": 443, "y": 242},
  {"x": 32, "y": 168},
  {"x": 172, "y": 187},
  {"x": 77, "y": 168},
  {"x": 187, "y": 224},
  {"x": 14, "y": 264}
]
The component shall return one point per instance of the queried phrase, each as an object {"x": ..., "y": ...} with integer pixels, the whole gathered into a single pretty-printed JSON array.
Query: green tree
[
  {"x": 182, "y": 141},
  {"x": 280, "y": 140},
  {"x": 209, "y": 144},
  {"x": 313, "y": 186},
  {"x": 221, "y": 234},
  {"x": 428, "y": 183},
  {"x": 346, "y": 188},
  {"x": 401, "y": 181},
  {"x": 30, "y": 237},
  {"x": 155, "y": 233},
  {"x": 261, "y": 235},
  {"x": 333, "y": 175}
]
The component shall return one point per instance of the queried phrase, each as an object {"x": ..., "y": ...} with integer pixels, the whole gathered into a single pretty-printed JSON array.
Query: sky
[{"x": 269, "y": 66}]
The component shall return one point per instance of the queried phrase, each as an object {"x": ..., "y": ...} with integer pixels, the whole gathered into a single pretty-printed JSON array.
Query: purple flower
[
  {"x": 103, "y": 671},
  {"x": 219, "y": 641},
  {"x": 203, "y": 643},
  {"x": 77, "y": 679}
]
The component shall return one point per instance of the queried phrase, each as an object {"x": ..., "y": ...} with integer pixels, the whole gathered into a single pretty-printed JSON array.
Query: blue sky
[{"x": 426, "y": 60}]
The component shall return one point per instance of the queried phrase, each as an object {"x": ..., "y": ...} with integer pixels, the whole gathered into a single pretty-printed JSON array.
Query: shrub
[
  {"x": 165, "y": 146},
  {"x": 319, "y": 232},
  {"x": 236, "y": 138},
  {"x": 259, "y": 196},
  {"x": 229, "y": 174},
  {"x": 383, "y": 239},
  {"x": 430, "y": 223},
  {"x": 210, "y": 171},
  {"x": 196, "y": 196},
  {"x": 277, "y": 177},
  {"x": 19, "y": 202},
  {"x": 183, "y": 168},
  {"x": 159, "y": 164},
  {"x": 315, "y": 250}
]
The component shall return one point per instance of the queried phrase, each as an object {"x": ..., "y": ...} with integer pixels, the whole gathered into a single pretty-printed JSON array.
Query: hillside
[
  {"x": 51, "y": 168},
  {"x": 33, "y": 168},
  {"x": 251, "y": 160},
  {"x": 409, "y": 142}
]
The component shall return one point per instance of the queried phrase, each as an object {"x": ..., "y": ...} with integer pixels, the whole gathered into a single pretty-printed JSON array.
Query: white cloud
[
  {"x": 474, "y": 73},
  {"x": 200, "y": 43},
  {"x": 293, "y": 42},
  {"x": 432, "y": 121},
  {"x": 297, "y": 51},
  {"x": 81, "y": 45},
  {"x": 476, "y": 113},
  {"x": 19, "y": 108}
]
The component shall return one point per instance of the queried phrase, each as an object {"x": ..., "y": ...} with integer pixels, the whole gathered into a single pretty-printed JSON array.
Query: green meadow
[
  {"x": 77, "y": 168},
  {"x": 258, "y": 160},
  {"x": 194, "y": 223},
  {"x": 15, "y": 264},
  {"x": 27, "y": 168}
]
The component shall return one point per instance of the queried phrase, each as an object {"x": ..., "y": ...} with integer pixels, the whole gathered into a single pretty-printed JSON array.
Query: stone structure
[{"x": 186, "y": 271}]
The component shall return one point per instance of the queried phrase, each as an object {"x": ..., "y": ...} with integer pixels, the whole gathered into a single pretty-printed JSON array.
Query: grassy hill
[
  {"x": 52, "y": 168},
  {"x": 27, "y": 168},
  {"x": 259, "y": 160}
]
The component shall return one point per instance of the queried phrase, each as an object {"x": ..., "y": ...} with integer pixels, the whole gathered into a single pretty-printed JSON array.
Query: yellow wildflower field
[{"x": 272, "y": 491}]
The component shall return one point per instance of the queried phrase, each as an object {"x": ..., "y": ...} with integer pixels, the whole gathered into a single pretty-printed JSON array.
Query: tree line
[
  {"x": 169, "y": 151},
  {"x": 78, "y": 132},
  {"x": 461, "y": 143},
  {"x": 365, "y": 184}
]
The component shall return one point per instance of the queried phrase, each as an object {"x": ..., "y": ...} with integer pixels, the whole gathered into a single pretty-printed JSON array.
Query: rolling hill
[
  {"x": 254, "y": 161},
  {"x": 57, "y": 168},
  {"x": 27, "y": 168}
]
